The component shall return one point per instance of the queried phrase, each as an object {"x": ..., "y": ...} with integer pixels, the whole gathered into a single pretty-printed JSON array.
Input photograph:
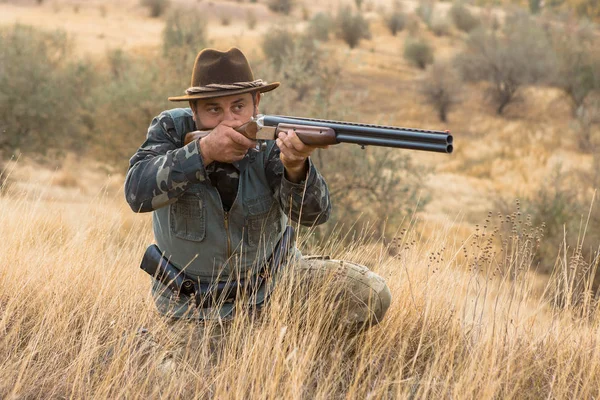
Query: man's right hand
[{"x": 223, "y": 143}]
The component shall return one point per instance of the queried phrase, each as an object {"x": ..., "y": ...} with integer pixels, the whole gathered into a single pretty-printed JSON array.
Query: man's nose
[{"x": 228, "y": 115}]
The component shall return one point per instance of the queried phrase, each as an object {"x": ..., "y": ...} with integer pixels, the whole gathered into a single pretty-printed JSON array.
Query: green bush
[
  {"x": 184, "y": 35},
  {"x": 41, "y": 91},
  {"x": 578, "y": 62},
  {"x": 296, "y": 58},
  {"x": 251, "y": 20},
  {"x": 425, "y": 11},
  {"x": 124, "y": 105},
  {"x": 319, "y": 26},
  {"x": 395, "y": 21},
  {"x": 351, "y": 27},
  {"x": 156, "y": 7},
  {"x": 440, "y": 27},
  {"x": 504, "y": 59},
  {"x": 441, "y": 88},
  {"x": 278, "y": 44},
  {"x": 418, "y": 52},
  {"x": 281, "y": 6},
  {"x": 463, "y": 18}
]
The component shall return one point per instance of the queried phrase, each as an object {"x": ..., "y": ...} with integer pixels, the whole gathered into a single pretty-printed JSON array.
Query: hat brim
[{"x": 221, "y": 93}]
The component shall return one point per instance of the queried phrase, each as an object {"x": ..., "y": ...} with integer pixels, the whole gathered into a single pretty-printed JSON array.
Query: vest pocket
[
  {"x": 263, "y": 220},
  {"x": 187, "y": 217}
]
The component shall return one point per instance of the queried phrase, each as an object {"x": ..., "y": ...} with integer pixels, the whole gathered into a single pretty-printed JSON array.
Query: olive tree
[{"x": 517, "y": 55}]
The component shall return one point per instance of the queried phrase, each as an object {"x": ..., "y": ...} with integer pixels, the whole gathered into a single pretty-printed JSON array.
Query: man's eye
[
  {"x": 238, "y": 107},
  {"x": 213, "y": 110}
]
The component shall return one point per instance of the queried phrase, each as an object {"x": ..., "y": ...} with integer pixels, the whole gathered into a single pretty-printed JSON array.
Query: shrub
[
  {"x": 534, "y": 6},
  {"x": 41, "y": 91},
  {"x": 251, "y": 20},
  {"x": 132, "y": 98},
  {"x": 425, "y": 11},
  {"x": 395, "y": 21},
  {"x": 504, "y": 59},
  {"x": 277, "y": 45},
  {"x": 440, "y": 27},
  {"x": 184, "y": 35},
  {"x": 281, "y": 6},
  {"x": 555, "y": 207},
  {"x": 296, "y": 57},
  {"x": 578, "y": 64},
  {"x": 351, "y": 28},
  {"x": 225, "y": 19},
  {"x": 412, "y": 25},
  {"x": 156, "y": 7},
  {"x": 587, "y": 116},
  {"x": 320, "y": 26},
  {"x": 462, "y": 18},
  {"x": 441, "y": 88},
  {"x": 418, "y": 52}
]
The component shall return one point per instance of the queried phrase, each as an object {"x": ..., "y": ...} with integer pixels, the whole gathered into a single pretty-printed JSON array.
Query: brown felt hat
[{"x": 218, "y": 74}]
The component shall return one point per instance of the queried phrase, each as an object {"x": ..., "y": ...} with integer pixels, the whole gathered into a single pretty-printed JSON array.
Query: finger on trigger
[{"x": 241, "y": 140}]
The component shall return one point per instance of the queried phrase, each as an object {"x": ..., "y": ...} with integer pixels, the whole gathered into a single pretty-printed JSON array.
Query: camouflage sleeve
[
  {"x": 308, "y": 201},
  {"x": 162, "y": 168}
]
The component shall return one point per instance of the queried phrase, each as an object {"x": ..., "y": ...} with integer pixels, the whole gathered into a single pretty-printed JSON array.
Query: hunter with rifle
[{"x": 222, "y": 181}]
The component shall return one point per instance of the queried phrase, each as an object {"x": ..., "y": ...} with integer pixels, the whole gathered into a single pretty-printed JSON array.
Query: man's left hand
[{"x": 294, "y": 154}]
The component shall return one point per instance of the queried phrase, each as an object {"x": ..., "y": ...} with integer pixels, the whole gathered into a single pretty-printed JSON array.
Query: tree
[
  {"x": 395, "y": 20},
  {"x": 419, "y": 52},
  {"x": 352, "y": 27},
  {"x": 518, "y": 55},
  {"x": 578, "y": 64},
  {"x": 441, "y": 88}
]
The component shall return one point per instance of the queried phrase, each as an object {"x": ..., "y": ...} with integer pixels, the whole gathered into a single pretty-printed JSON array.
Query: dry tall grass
[{"x": 466, "y": 320}]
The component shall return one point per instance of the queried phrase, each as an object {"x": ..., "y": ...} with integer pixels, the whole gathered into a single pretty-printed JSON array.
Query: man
[{"x": 220, "y": 207}]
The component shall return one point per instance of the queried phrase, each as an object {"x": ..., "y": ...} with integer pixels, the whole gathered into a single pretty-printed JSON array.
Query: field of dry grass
[
  {"x": 467, "y": 320},
  {"x": 470, "y": 317}
]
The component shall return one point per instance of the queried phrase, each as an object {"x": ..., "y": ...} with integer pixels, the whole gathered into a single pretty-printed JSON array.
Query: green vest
[{"x": 197, "y": 235}]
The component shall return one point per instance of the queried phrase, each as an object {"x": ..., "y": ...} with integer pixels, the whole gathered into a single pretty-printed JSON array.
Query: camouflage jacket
[{"x": 163, "y": 168}]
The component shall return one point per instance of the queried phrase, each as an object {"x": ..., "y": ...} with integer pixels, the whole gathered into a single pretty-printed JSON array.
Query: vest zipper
[{"x": 226, "y": 214}]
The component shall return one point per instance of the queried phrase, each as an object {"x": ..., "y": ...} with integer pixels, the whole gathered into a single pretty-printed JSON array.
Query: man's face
[{"x": 208, "y": 113}]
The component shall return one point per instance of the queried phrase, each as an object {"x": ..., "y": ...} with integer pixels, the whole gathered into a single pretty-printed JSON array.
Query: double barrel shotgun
[{"x": 321, "y": 132}]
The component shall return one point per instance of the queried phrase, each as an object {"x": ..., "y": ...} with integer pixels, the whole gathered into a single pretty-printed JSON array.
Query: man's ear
[
  {"x": 256, "y": 102},
  {"x": 193, "y": 107}
]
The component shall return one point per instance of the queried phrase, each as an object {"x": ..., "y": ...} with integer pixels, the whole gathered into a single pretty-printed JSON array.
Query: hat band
[{"x": 213, "y": 87}]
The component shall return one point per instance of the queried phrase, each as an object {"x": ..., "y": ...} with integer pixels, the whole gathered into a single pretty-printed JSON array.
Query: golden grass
[{"x": 467, "y": 321}]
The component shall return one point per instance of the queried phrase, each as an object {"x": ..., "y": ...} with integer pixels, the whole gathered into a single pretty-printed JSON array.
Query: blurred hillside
[{"x": 516, "y": 82}]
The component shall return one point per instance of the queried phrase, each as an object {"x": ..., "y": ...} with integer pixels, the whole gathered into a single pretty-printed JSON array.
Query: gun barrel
[
  {"x": 375, "y": 135},
  {"x": 402, "y": 144}
]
